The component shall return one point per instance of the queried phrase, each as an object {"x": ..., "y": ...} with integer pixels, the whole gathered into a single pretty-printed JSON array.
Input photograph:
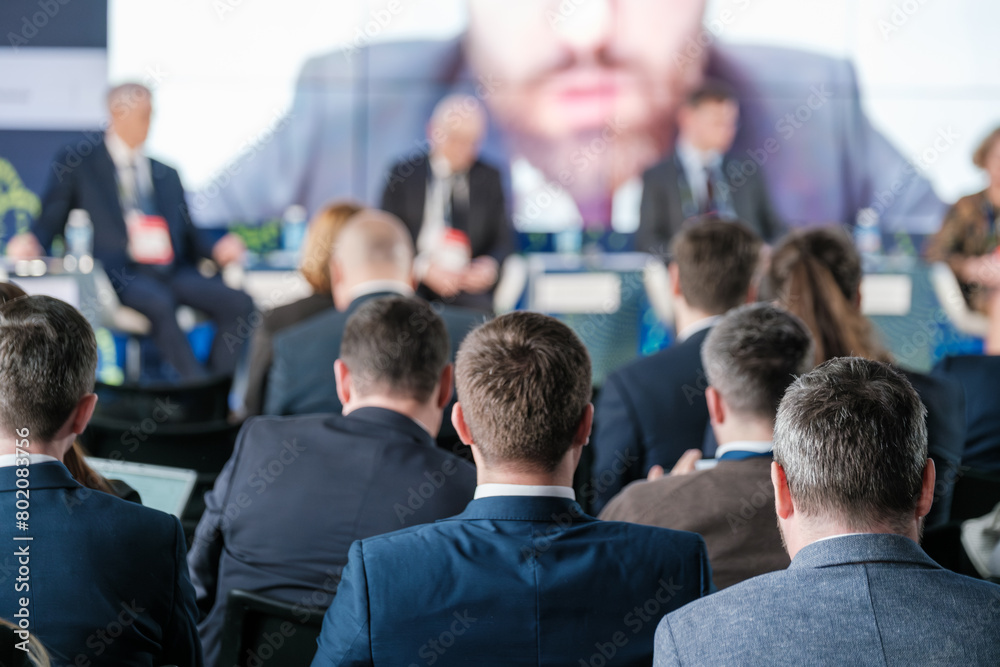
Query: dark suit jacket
[
  {"x": 730, "y": 505},
  {"x": 301, "y": 378},
  {"x": 261, "y": 345},
  {"x": 299, "y": 490},
  {"x": 661, "y": 217},
  {"x": 978, "y": 377},
  {"x": 648, "y": 413},
  {"x": 93, "y": 185},
  {"x": 853, "y": 600},
  {"x": 98, "y": 565},
  {"x": 511, "y": 581},
  {"x": 486, "y": 223},
  {"x": 945, "y": 403}
]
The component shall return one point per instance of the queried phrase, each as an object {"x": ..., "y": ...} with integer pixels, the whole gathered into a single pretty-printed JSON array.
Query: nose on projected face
[{"x": 582, "y": 25}]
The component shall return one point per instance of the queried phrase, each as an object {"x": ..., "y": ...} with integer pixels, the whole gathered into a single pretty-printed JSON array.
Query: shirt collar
[
  {"x": 374, "y": 286},
  {"x": 833, "y": 537},
  {"x": 692, "y": 158},
  {"x": 700, "y": 325},
  {"x": 11, "y": 459},
  {"x": 755, "y": 446},
  {"x": 491, "y": 490},
  {"x": 121, "y": 154}
]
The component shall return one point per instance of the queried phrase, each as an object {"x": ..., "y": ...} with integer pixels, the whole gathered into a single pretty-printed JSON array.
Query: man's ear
[
  {"x": 461, "y": 427},
  {"x": 716, "y": 408},
  {"x": 445, "y": 386},
  {"x": 782, "y": 497},
  {"x": 582, "y": 435},
  {"x": 343, "y": 377},
  {"x": 82, "y": 413},
  {"x": 675, "y": 280},
  {"x": 927, "y": 489}
]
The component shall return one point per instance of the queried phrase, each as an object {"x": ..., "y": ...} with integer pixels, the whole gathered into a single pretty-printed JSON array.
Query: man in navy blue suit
[
  {"x": 852, "y": 485},
  {"x": 373, "y": 258},
  {"x": 652, "y": 410},
  {"x": 346, "y": 477},
  {"x": 523, "y": 576},
  {"x": 99, "y": 580},
  {"x": 143, "y": 235}
]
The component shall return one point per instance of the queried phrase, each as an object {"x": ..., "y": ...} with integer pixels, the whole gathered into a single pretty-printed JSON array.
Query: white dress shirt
[
  {"x": 700, "y": 325},
  {"x": 695, "y": 162},
  {"x": 375, "y": 286},
  {"x": 7, "y": 460},
  {"x": 492, "y": 490},
  {"x": 124, "y": 158}
]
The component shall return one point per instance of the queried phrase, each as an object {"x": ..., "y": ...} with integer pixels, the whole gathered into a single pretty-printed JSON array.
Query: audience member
[
  {"x": 698, "y": 178},
  {"x": 447, "y": 190},
  {"x": 373, "y": 258},
  {"x": 852, "y": 485},
  {"x": 977, "y": 375},
  {"x": 816, "y": 274},
  {"x": 94, "y": 561},
  {"x": 750, "y": 357},
  {"x": 523, "y": 576},
  {"x": 143, "y": 235},
  {"x": 652, "y": 410},
  {"x": 298, "y": 491},
  {"x": 315, "y": 268},
  {"x": 968, "y": 241}
]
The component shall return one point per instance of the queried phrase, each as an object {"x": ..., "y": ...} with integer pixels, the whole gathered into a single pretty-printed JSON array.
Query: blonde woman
[{"x": 315, "y": 268}]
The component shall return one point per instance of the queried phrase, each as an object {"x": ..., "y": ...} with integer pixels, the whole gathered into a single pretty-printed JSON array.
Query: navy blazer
[
  {"x": 977, "y": 374},
  {"x": 511, "y": 581},
  {"x": 93, "y": 185},
  {"x": 648, "y": 413},
  {"x": 661, "y": 216},
  {"x": 301, "y": 379},
  {"x": 299, "y": 490},
  {"x": 487, "y": 225},
  {"x": 108, "y": 583},
  {"x": 854, "y": 600}
]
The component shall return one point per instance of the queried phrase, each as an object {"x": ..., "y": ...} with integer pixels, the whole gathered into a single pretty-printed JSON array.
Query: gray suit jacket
[
  {"x": 355, "y": 113},
  {"x": 852, "y": 600},
  {"x": 661, "y": 212}
]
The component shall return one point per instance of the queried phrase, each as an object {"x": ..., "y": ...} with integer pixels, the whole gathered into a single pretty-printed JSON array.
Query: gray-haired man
[{"x": 852, "y": 485}]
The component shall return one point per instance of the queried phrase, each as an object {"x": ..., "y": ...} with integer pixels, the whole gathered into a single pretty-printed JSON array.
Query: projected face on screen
[{"x": 567, "y": 72}]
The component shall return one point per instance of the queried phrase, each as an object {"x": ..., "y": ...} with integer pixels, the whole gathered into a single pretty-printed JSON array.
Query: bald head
[
  {"x": 130, "y": 106},
  {"x": 373, "y": 245},
  {"x": 456, "y": 129}
]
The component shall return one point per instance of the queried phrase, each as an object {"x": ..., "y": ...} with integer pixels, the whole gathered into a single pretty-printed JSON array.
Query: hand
[
  {"x": 445, "y": 283},
  {"x": 230, "y": 248},
  {"x": 984, "y": 270},
  {"x": 686, "y": 463},
  {"x": 480, "y": 275},
  {"x": 24, "y": 246},
  {"x": 655, "y": 473}
]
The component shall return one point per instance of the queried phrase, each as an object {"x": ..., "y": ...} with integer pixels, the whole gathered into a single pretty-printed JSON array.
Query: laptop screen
[{"x": 162, "y": 488}]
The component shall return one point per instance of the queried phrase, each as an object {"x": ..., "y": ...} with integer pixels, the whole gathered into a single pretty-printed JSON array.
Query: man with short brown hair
[
  {"x": 652, "y": 410},
  {"x": 523, "y": 576}
]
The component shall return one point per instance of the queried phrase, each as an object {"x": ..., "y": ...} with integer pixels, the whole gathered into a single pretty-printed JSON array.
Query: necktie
[{"x": 709, "y": 192}]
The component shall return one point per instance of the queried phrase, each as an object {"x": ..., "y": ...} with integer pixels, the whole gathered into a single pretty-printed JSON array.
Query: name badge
[{"x": 149, "y": 239}]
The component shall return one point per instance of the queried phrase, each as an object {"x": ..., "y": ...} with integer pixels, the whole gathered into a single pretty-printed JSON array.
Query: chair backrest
[{"x": 259, "y": 631}]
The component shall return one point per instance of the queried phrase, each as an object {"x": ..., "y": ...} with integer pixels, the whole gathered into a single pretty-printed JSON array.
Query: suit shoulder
[
  {"x": 658, "y": 170},
  {"x": 777, "y": 63},
  {"x": 654, "y": 536},
  {"x": 307, "y": 330},
  {"x": 126, "y": 515}
]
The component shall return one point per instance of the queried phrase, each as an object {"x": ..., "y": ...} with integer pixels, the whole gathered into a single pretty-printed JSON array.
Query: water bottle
[
  {"x": 868, "y": 236},
  {"x": 79, "y": 235},
  {"x": 293, "y": 228}
]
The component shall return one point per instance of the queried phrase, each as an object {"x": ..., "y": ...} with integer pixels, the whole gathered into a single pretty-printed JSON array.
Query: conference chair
[{"x": 261, "y": 632}]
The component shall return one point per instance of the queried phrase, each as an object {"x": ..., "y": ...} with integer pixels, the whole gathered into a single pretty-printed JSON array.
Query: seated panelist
[{"x": 143, "y": 235}]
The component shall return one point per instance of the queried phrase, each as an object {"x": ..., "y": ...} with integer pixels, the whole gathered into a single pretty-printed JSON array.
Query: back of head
[
  {"x": 395, "y": 347},
  {"x": 716, "y": 261},
  {"x": 524, "y": 382},
  {"x": 852, "y": 440},
  {"x": 320, "y": 237},
  {"x": 9, "y": 291},
  {"x": 374, "y": 245},
  {"x": 753, "y": 354},
  {"x": 816, "y": 274},
  {"x": 48, "y": 362}
]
